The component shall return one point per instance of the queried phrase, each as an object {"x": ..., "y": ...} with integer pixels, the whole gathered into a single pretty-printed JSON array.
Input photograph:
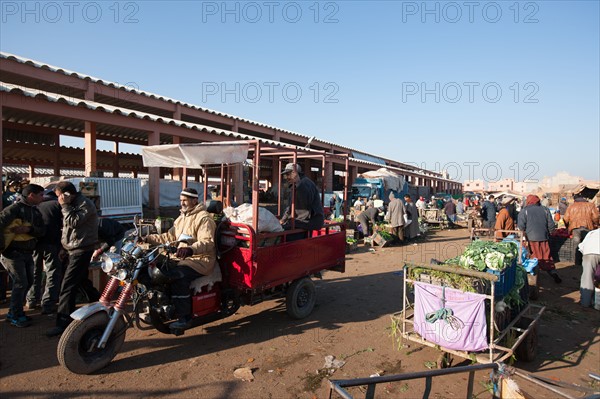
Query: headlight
[
  {"x": 110, "y": 262},
  {"x": 122, "y": 274}
]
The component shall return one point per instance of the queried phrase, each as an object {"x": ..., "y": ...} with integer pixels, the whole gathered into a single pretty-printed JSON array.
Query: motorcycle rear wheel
[{"x": 77, "y": 350}]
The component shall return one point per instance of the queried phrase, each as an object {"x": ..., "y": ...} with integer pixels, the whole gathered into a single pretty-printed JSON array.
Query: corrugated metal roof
[
  {"x": 69, "y": 124},
  {"x": 95, "y": 106},
  {"x": 114, "y": 85}
]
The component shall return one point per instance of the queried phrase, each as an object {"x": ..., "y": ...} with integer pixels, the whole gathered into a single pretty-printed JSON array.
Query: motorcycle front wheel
[{"x": 77, "y": 349}]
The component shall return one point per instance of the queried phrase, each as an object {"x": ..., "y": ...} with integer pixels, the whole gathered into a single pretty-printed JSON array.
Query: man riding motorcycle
[{"x": 197, "y": 255}]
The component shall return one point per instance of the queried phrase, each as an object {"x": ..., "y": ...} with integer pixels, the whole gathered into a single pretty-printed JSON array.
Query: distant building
[
  {"x": 501, "y": 185},
  {"x": 526, "y": 187},
  {"x": 561, "y": 179},
  {"x": 473, "y": 185}
]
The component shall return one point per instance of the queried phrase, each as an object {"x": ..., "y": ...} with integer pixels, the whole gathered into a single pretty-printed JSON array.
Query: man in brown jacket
[
  {"x": 197, "y": 256},
  {"x": 581, "y": 217}
]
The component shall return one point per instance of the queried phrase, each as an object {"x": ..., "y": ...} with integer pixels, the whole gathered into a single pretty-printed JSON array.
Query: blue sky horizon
[{"x": 486, "y": 90}]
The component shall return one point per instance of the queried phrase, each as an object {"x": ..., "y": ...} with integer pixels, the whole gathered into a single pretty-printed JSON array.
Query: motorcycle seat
[{"x": 206, "y": 281}]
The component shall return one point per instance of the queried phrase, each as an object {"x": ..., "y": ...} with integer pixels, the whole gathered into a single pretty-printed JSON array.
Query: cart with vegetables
[
  {"x": 475, "y": 306},
  {"x": 518, "y": 237}
]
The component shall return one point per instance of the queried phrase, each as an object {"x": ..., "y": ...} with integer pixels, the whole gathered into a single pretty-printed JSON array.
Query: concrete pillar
[
  {"x": 154, "y": 176},
  {"x": 90, "y": 148},
  {"x": 31, "y": 171},
  {"x": 56, "y": 161}
]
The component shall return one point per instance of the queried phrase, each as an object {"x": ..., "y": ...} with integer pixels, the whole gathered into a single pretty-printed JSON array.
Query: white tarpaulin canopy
[
  {"x": 391, "y": 179},
  {"x": 194, "y": 155}
]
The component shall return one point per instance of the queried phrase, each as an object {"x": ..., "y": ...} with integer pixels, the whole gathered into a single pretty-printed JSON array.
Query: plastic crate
[
  {"x": 506, "y": 279},
  {"x": 561, "y": 249}
]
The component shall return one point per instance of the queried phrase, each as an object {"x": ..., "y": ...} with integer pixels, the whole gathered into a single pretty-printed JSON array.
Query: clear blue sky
[{"x": 512, "y": 86}]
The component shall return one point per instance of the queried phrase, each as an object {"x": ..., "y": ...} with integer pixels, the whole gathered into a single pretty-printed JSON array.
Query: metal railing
[{"x": 339, "y": 385}]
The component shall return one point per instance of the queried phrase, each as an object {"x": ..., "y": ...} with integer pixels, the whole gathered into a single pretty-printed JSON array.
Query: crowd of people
[
  {"x": 56, "y": 233},
  {"x": 502, "y": 217}
]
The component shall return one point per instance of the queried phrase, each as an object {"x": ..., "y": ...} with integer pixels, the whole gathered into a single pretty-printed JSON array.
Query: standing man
[
  {"x": 308, "y": 207},
  {"x": 537, "y": 223},
  {"x": 562, "y": 206},
  {"x": 581, "y": 217},
  {"x": 450, "y": 210},
  {"x": 79, "y": 238},
  {"x": 335, "y": 205},
  {"x": 505, "y": 220},
  {"x": 421, "y": 206},
  {"x": 396, "y": 212},
  {"x": 412, "y": 230},
  {"x": 197, "y": 256},
  {"x": 46, "y": 256},
  {"x": 20, "y": 226},
  {"x": 488, "y": 213}
]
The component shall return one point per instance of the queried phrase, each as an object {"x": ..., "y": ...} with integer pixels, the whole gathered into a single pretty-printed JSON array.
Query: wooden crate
[{"x": 380, "y": 241}]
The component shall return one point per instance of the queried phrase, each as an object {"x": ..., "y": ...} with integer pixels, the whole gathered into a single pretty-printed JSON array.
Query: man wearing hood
[
  {"x": 396, "y": 212},
  {"x": 537, "y": 223},
  {"x": 20, "y": 226},
  {"x": 197, "y": 256}
]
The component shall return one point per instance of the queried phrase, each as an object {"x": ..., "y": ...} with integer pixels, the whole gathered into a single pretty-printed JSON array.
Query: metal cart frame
[{"x": 530, "y": 316}]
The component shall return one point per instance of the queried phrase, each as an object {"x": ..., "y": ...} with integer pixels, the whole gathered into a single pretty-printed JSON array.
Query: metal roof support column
[
  {"x": 90, "y": 148},
  {"x": 154, "y": 176},
  {"x": 293, "y": 195},
  {"x": 279, "y": 187},
  {"x": 238, "y": 183},
  {"x": 228, "y": 191},
  {"x": 116, "y": 159},
  {"x": 346, "y": 182},
  {"x": 324, "y": 178},
  {"x": 255, "y": 177},
  {"x": 31, "y": 171}
]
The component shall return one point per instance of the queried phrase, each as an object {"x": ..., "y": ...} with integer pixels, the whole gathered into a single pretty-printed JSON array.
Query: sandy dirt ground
[{"x": 351, "y": 321}]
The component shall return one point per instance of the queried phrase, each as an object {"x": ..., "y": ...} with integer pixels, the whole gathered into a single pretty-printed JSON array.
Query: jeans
[
  {"x": 180, "y": 292},
  {"x": 586, "y": 287},
  {"x": 76, "y": 276},
  {"x": 578, "y": 236},
  {"x": 46, "y": 258},
  {"x": 20, "y": 267},
  {"x": 35, "y": 292}
]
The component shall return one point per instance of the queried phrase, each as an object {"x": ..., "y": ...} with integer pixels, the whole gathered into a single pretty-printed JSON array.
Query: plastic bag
[{"x": 267, "y": 222}]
